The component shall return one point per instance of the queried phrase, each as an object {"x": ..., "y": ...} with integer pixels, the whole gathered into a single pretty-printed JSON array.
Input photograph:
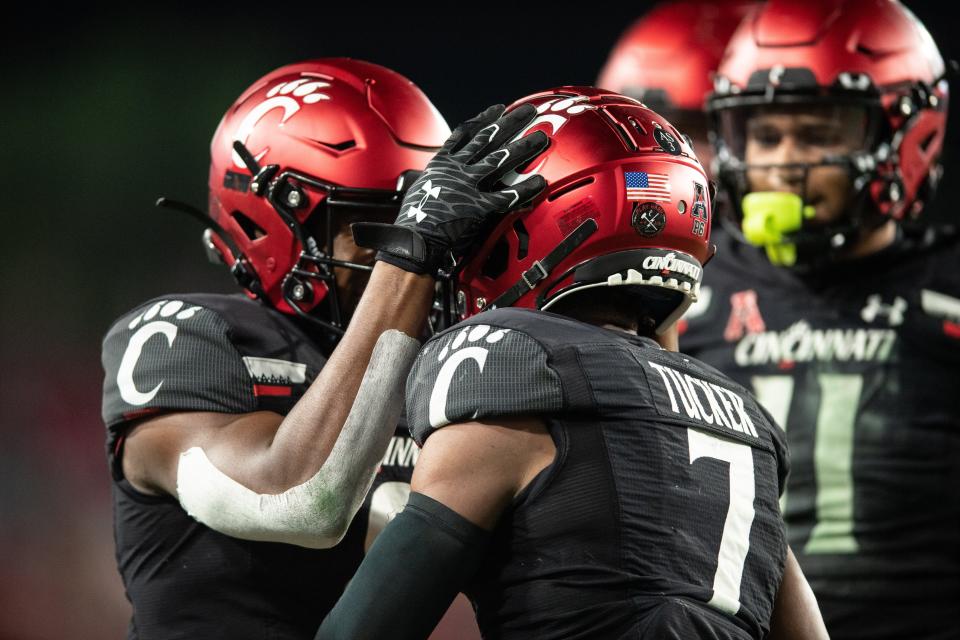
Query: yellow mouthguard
[{"x": 767, "y": 216}]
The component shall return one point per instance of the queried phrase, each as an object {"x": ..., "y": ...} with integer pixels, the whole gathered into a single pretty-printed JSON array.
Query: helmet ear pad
[{"x": 919, "y": 166}]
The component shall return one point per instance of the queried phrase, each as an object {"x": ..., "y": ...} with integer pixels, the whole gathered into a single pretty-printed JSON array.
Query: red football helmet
[
  {"x": 872, "y": 55},
  {"x": 302, "y": 143},
  {"x": 667, "y": 58},
  {"x": 627, "y": 203}
]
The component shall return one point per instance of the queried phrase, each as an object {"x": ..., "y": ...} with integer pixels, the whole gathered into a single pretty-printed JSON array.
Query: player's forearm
[
  {"x": 394, "y": 299},
  {"x": 414, "y": 570},
  {"x": 305, "y": 485},
  {"x": 315, "y": 513},
  {"x": 796, "y": 615}
]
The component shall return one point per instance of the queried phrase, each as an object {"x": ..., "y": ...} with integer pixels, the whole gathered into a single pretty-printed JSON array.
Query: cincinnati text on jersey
[
  {"x": 401, "y": 452},
  {"x": 801, "y": 343}
]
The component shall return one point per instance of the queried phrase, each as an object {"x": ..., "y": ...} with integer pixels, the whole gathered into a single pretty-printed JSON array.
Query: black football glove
[{"x": 447, "y": 210}]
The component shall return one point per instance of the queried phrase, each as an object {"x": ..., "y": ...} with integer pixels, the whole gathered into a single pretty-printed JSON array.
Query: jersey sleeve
[
  {"x": 485, "y": 370},
  {"x": 170, "y": 355}
]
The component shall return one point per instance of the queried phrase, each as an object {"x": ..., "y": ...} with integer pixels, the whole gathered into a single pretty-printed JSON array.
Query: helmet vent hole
[
  {"x": 625, "y": 136},
  {"x": 926, "y": 142},
  {"x": 340, "y": 146},
  {"x": 621, "y": 130},
  {"x": 496, "y": 263},
  {"x": 524, "y": 239},
  {"x": 570, "y": 187},
  {"x": 250, "y": 228},
  {"x": 637, "y": 126}
]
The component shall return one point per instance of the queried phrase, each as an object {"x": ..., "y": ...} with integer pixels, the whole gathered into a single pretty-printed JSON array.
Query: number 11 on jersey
[{"x": 832, "y": 453}]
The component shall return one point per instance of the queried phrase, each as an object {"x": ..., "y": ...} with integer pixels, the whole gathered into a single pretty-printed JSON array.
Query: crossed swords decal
[{"x": 649, "y": 222}]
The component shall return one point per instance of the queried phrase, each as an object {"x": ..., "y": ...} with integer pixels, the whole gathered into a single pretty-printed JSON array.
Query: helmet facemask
[
  {"x": 798, "y": 174},
  {"x": 289, "y": 193},
  {"x": 827, "y": 57}
]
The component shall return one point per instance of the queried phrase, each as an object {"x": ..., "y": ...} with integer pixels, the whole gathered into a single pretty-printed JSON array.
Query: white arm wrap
[{"x": 317, "y": 513}]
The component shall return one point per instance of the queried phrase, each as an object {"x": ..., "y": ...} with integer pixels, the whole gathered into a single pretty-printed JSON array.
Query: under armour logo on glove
[
  {"x": 429, "y": 191},
  {"x": 460, "y": 194}
]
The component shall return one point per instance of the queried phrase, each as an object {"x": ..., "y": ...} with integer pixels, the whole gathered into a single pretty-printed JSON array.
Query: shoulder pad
[
  {"x": 173, "y": 353},
  {"x": 502, "y": 363}
]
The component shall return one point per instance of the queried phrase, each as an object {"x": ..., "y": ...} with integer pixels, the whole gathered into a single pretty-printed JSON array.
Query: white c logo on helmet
[
  {"x": 289, "y": 106},
  {"x": 279, "y": 97},
  {"x": 128, "y": 390},
  {"x": 554, "y": 113}
]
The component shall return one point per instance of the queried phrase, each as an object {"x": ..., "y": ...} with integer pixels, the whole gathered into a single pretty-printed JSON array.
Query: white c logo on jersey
[
  {"x": 128, "y": 390},
  {"x": 438, "y": 397}
]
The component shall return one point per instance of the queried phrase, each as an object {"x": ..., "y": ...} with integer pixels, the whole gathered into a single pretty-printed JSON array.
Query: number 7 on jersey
[{"x": 735, "y": 540}]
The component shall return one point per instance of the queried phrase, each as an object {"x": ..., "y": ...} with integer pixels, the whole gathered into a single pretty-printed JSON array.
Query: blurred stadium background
[{"x": 104, "y": 111}]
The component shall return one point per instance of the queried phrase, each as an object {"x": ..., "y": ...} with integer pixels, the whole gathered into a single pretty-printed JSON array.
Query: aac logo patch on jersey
[{"x": 744, "y": 316}]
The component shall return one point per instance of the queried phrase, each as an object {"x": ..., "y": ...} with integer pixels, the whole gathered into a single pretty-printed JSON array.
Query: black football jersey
[
  {"x": 227, "y": 354},
  {"x": 659, "y": 517},
  {"x": 861, "y": 365}
]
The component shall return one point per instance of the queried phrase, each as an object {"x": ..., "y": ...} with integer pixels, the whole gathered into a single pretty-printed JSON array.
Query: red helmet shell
[
  {"x": 673, "y": 50},
  {"x": 878, "y": 46},
  {"x": 599, "y": 142},
  {"x": 345, "y": 122}
]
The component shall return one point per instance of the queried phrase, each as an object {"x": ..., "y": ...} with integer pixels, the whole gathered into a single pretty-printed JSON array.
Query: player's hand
[{"x": 457, "y": 198}]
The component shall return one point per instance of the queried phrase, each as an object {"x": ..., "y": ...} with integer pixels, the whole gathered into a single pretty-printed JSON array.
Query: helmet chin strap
[{"x": 542, "y": 268}]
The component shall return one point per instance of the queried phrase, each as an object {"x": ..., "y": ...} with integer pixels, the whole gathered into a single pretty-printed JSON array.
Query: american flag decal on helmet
[{"x": 651, "y": 187}]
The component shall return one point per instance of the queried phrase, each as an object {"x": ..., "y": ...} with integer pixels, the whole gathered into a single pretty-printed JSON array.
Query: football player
[
  {"x": 830, "y": 121},
  {"x": 244, "y": 431},
  {"x": 666, "y": 60},
  {"x": 576, "y": 479}
]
